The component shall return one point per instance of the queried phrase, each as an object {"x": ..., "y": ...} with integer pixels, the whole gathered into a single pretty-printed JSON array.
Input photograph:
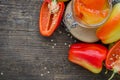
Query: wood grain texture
[{"x": 26, "y": 55}]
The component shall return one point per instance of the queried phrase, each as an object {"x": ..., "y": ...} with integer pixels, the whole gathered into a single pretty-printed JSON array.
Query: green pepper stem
[
  {"x": 113, "y": 74},
  {"x": 54, "y": 0},
  {"x": 106, "y": 71}
]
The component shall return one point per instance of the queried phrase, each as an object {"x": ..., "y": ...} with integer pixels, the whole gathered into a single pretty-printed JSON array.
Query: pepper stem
[
  {"x": 116, "y": 68},
  {"x": 53, "y": 7},
  {"x": 106, "y": 71},
  {"x": 54, "y": 0},
  {"x": 113, "y": 74}
]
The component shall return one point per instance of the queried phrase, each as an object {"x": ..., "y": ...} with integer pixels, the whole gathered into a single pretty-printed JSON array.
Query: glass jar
[{"x": 77, "y": 28}]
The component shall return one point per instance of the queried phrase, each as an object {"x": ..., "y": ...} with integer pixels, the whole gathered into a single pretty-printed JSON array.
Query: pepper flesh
[
  {"x": 89, "y": 56},
  {"x": 48, "y": 1},
  {"x": 110, "y": 31}
]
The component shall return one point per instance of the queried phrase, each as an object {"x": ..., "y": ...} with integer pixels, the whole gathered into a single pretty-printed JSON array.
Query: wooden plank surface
[{"x": 26, "y": 55}]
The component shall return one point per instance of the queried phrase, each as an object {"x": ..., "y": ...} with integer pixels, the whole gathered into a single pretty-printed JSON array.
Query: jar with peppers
[{"x": 82, "y": 18}]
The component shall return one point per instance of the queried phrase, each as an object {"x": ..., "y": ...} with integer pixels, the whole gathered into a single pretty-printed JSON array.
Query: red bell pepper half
[
  {"x": 48, "y": 21},
  {"x": 113, "y": 59},
  {"x": 88, "y": 55}
]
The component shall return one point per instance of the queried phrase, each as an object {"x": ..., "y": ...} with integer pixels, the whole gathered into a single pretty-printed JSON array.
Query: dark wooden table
[{"x": 26, "y": 55}]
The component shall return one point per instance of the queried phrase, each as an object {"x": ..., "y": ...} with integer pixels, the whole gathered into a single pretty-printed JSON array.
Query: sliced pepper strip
[{"x": 94, "y": 4}]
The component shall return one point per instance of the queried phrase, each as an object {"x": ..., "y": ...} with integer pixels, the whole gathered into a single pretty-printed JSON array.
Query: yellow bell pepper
[{"x": 110, "y": 31}]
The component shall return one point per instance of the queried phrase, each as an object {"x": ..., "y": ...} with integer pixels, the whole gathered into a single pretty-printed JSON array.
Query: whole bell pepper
[
  {"x": 113, "y": 59},
  {"x": 88, "y": 55},
  {"x": 50, "y": 16},
  {"x": 110, "y": 31}
]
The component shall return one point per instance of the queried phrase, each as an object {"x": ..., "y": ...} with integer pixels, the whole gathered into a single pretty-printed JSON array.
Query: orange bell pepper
[
  {"x": 110, "y": 31},
  {"x": 49, "y": 21}
]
